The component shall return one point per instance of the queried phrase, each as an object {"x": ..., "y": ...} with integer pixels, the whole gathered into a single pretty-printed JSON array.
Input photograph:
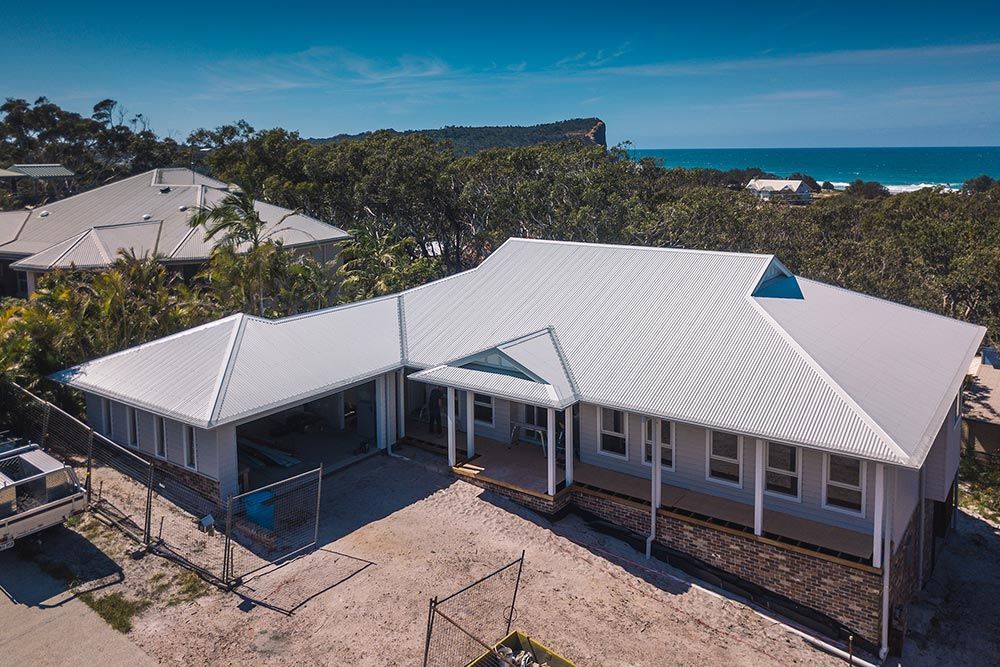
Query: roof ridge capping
[{"x": 625, "y": 246}]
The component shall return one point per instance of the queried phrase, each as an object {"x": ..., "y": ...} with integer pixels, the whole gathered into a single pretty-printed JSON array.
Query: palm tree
[
  {"x": 376, "y": 263},
  {"x": 237, "y": 222}
]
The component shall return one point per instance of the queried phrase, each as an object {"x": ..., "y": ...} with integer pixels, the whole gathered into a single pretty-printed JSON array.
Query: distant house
[
  {"x": 769, "y": 189},
  {"x": 762, "y": 424},
  {"x": 981, "y": 405},
  {"x": 147, "y": 214}
]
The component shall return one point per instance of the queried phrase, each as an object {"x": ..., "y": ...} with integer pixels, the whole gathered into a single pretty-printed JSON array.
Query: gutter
[{"x": 886, "y": 565}]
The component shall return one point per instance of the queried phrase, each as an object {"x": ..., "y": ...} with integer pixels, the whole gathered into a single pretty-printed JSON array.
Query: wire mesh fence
[
  {"x": 272, "y": 523},
  {"x": 464, "y": 625},
  {"x": 150, "y": 502}
]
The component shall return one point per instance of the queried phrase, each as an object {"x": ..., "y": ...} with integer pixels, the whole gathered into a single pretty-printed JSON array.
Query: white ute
[{"x": 36, "y": 491}]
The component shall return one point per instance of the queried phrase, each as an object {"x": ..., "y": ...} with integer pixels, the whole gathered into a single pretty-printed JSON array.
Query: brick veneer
[{"x": 847, "y": 592}]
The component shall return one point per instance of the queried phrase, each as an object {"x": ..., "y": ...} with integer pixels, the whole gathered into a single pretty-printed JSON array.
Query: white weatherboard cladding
[{"x": 280, "y": 362}]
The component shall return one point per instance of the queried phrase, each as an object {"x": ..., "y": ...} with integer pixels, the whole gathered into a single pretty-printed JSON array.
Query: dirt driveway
[{"x": 397, "y": 532}]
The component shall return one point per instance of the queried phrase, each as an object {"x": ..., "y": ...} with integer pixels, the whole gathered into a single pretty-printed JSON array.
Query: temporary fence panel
[
  {"x": 272, "y": 523},
  {"x": 462, "y": 624}
]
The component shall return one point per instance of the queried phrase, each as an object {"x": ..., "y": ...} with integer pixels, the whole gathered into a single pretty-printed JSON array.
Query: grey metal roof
[
  {"x": 494, "y": 384},
  {"x": 41, "y": 170},
  {"x": 166, "y": 196},
  {"x": 672, "y": 333},
  {"x": 96, "y": 247},
  {"x": 7, "y": 173}
]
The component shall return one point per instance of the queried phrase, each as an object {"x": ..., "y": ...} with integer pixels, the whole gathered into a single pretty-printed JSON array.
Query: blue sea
[{"x": 900, "y": 169}]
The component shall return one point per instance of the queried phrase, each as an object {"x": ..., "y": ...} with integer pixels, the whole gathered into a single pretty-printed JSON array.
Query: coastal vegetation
[{"x": 419, "y": 210}]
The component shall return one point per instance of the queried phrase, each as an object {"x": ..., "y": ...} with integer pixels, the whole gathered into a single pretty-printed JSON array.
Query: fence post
[
  {"x": 148, "y": 528},
  {"x": 430, "y": 629},
  {"x": 517, "y": 584},
  {"x": 319, "y": 488},
  {"x": 90, "y": 465},
  {"x": 227, "y": 563},
  {"x": 45, "y": 426}
]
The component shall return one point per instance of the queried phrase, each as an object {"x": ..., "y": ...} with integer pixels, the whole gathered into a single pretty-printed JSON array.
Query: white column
[
  {"x": 551, "y": 436},
  {"x": 879, "y": 519},
  {"x": 654, "y": 481},
  {"x": 401, "y": 404},
  {"x": 470, "y": 424},
  {"x": 758, "y": 490},
  {"x": 452, "y": 458},
  {"x": 380, "y": 420},
  {"x": 568, "y": 433}
]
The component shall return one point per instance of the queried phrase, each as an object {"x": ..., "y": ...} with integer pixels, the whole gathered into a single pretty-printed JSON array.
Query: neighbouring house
[
  {"x": 147, "y": 214},
  {"x": 981, "y": 406},
  {"x": 768, "y": 189},
  {"x": 801, "y": 437}
]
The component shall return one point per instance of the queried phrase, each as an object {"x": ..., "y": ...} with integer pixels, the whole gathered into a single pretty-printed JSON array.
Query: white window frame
[
  {"x": 779, "y": 471},
  {"x": 647, "y": 442},
  {"x": 132, "y": 424},
  {"x": 107, "y": 423},
  {"x": 159, "y": 437},
  {"x": 490, "y": 404},
  {"x": 958, "y": 408},
  {"x": 541, "y": 430},
  {"x": 709, "y": 456},
  {"x": 863, "y": 479},
  {"x": 190, "y": 447},
  {"x": 601, "y": 432}
]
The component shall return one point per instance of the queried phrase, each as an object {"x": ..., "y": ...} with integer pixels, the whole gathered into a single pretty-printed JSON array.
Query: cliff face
[{"x": 469, "y": 140}]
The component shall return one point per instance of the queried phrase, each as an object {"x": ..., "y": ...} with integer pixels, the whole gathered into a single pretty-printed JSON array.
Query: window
[
  {"x": 958, "y": 406},
  {"x": 106, "y": 416},
  {"x": 133, "y": 427},
  {"x": 666, "y": 444},
  {"x": 159, "y": 437},
  {"x": 845, "y": 484},
  {"x": 725, "y": 456},
  {"x": 781, "y": 470},
  {"x": 483, "y": 408},
  {"x": 614, "y": 441},
  {"x": 190, "y": 447},
  {"x": 536, "y": 416},
  {"x": 22, "y": 282}
]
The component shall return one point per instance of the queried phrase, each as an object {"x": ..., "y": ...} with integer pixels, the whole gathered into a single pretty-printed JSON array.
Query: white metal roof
[
  {"x": 168, "y": 197},
  {"x": 773, "y": 184},
  {"x": 672, "y": 333}
]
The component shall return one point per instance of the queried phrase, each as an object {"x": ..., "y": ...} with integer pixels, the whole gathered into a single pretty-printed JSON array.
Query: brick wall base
[{"x": 847, "y": 592}]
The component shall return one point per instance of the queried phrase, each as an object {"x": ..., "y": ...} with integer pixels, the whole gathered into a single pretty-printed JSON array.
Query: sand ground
[{"x": 397, "y": 532}]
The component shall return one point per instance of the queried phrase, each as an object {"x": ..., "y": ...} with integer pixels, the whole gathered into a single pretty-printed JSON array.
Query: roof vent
[
  {"x": 43, "y": 214},
  {"x": 146, "y": 216},
  {"x": 182, "y": 207},
  {"x": 165, "y": 190}
]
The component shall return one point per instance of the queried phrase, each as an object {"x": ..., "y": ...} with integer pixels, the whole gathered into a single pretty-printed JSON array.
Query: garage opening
[{"x": 333, "y": 431}]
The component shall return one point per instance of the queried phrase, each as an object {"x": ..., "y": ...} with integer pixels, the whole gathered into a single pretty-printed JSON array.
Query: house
[
  {"x": 799, "y": 436},
  {"x": 981, "y": 406},
  {"x": 148, "y": 214},
  {"x": 768, "y": 189}
]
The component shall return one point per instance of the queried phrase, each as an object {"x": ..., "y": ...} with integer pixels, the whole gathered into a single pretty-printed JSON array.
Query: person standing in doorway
[{"x": 434, "y": 405}]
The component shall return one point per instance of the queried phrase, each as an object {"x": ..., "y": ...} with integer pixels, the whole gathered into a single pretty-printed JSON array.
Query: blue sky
[{"x": 699, "y": 75}]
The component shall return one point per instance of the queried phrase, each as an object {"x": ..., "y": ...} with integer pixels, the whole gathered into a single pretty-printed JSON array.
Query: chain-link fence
[
  {"x": 148, "y": 500},
  {"x": 468, "y": 623},
  {"x": 272, "y": 523}
]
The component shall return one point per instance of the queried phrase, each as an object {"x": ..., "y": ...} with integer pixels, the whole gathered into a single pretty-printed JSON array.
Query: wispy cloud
[{"x": 796, "y": 95}]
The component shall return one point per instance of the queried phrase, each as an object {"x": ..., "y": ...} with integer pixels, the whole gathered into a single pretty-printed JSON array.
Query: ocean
[{"x": 899, "y": 169}]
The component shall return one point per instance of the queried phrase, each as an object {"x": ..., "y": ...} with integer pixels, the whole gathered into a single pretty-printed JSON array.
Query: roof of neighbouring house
[
  {"x": 118, "y": 215},
  {"x": 773, "y": 184},
  {"x": 698, "y": 337},
  {"x": 41, "y": 170},
  {"x": 982, "y": 394},
  {"x": 7, "y": 173}
]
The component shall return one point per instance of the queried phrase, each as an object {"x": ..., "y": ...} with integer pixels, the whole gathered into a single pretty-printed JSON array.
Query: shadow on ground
[
  {"x": 954, "y": 619},
  {"x": 71, "y": 561}
]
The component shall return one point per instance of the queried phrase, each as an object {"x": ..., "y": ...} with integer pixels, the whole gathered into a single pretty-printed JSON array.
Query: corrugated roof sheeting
[
  {"x": 667, "y": 333},
  {"x": 42, "y": 170},
  {"x": 49, "y": 257},
  {"x": 165, "y": 195},
  {"x": 494, "y": 384},
  {"x": 177, "y": 376},
  {"x": 539, "y": 353},
  {"x": 279, "y": 362}
]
